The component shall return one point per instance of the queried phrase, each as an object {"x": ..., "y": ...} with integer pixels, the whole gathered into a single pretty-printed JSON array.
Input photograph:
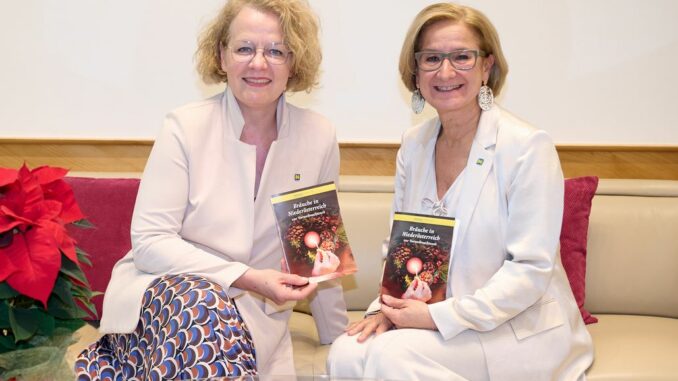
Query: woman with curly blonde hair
[{"x": 200, "y": 294}]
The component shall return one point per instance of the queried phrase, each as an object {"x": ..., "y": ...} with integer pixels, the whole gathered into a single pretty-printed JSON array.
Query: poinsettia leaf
[
  {"x": 46, "y": 174},
  {"x": 70, "y": 324},
  {"x": 24, "y": 322},
  {"x": 86, "y": 305},
  {"x": 83, "y": 223},
  {"x": 44, "y": 210},
  {"x": 4, "y": 314},
  {"x": 38, "y": 261},
  {"x": 6, "y": 291},
  {"x": 7, "y": 176},
  {"x": 61, "y": 310},
  {"x": 74, "y": 296},
  {"x": 64, "y": 242},
  {"x": 72, "y": 270},
  {"x": 83, "y": 257},
  {"x": 62, "y": 192},
  {"x": 7, "y": 267},
  {"x": 7, "y": 344},
  {"x": 31, "y": 188},
  {"x": 62, "y": 290},
  {"x": 45, "y": 324},
  {"x": 13, "y": 219},
  {"x": 91, "y": 308},
  {"x": 67, "y": 247},
  {"x": 81, "y": 291}
]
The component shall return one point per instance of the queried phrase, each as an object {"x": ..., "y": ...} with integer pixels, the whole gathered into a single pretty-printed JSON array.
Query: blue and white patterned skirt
[{"x": 189, "y": 329}]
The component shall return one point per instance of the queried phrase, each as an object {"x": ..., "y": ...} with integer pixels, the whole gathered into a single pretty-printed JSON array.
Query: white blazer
[
  {"x": 506, "y": 280},
  {"x": 196, "y": 213}
]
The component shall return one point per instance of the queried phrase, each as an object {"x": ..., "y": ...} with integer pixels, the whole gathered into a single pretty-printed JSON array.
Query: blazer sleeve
[
  {"x": 535, "y": 208},
  {"x": 157, "y": 245},
  {"x": 327, "y": 303}
]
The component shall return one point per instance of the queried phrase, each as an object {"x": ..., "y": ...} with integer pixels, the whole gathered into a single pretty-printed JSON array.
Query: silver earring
[
  {"x": 418, "y": 102},
  {"x": 485, "y": 97}
]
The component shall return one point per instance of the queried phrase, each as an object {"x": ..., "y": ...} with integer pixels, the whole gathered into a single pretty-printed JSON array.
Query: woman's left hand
[{"x": 407, "y": 313}]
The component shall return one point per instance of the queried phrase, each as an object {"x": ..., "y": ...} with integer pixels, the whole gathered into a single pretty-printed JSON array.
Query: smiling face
[
  {"x": 255, "y": 84},
  {"x": 448, "y": 90}
]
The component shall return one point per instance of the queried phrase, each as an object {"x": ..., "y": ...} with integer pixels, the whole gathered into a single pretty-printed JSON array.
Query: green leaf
[
  {"x": 46, "y": 324},
  {"x": 6, "y": 291},
  {"x": 83, "y": 257},
  {"x": 62, "y": 289},
  {"x": 71, "y": 269},
  {"x": 4, "y": 314},
  {"x": 64, "y": 309},
  {"x": 83, "y": 223},
  {"x": 68, "y": 293},
  {"x": 24, "y": 322},
  {"x": 7, "y": 343},
  {"x": 70, "y": 324},
  {"x": 81, "y": 291}
]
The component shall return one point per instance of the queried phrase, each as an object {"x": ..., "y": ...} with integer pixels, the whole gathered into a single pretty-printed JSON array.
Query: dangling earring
[
  {"x": 485, "y": 97},
  {"x": 418, "y": 102}
]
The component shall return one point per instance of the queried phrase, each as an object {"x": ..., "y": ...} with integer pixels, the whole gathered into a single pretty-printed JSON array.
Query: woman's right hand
[
  {"x": 275, "y": 285},
  {"x": 377, "y": 324}
]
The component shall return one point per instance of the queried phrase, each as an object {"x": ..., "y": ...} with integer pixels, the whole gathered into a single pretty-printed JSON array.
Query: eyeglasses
[
  {"x": 463, "y": 59},
  {"x": 275, "y": 53}
]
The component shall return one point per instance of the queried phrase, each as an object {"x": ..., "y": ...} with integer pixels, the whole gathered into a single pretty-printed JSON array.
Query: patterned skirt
[{"x": 189, "y": 329}]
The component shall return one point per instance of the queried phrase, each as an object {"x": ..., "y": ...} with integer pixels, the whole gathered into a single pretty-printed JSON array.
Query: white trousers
[{"x": 409, "y": 354}]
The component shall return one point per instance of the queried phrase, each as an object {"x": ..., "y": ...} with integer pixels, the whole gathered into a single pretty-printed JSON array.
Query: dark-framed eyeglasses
[
  {"x": 276, "y": 53},
  {"x": 462, "y": 59}
]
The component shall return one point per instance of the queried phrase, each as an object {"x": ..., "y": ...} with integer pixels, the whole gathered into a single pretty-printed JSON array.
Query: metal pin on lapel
[
  {"x": 297, "y": 176},
  {"x": 480, "y": 161}
]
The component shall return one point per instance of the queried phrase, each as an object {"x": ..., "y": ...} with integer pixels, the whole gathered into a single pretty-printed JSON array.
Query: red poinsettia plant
[{"x": 42, "y": 285}]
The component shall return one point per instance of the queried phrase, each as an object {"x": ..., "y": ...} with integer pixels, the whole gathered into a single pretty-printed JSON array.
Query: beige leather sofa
[{"x": 631, "y": 281}]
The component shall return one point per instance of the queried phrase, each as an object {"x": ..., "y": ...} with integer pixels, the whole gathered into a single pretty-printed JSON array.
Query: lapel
[
  {"x": 478, "y": 167},
  {"x": 420, "y": 167}
]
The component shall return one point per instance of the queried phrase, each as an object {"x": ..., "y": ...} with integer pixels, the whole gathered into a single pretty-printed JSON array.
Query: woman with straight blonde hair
[
  {"x": 200, "y": 294},
  {"x": 509, "y": 312}
]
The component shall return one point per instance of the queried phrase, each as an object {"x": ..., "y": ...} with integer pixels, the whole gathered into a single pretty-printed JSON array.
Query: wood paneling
[
  {"x": 77, "y": 155},
  {"x": 634, "y": 162}
]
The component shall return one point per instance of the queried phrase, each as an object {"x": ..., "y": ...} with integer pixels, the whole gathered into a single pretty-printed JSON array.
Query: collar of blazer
[{"x": 234, "y": 121}]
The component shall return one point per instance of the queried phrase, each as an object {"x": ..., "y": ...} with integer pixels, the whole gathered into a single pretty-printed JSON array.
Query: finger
[
  {"x": 356, "y": 327},
  {"x": 302, "y": 292},
  {"x": 352, "y": 325},
  {"x": 393, "y": 302},
  {"x": 381, "y": 328},
  {"x": 366, "y": 333},
  {"x": 294, "y": 280},
  {"x": 388, "y": 312}
]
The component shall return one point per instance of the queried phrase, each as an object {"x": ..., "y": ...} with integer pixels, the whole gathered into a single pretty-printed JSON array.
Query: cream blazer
[
  {"x": 506, "y": 280},
  {"x": 196, "y": 212}
]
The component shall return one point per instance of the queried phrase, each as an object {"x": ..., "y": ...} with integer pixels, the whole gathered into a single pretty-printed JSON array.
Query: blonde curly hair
[{"x": 300, "y": 32}]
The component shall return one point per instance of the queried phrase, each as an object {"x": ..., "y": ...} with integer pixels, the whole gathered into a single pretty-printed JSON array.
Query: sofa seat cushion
[
  {"x": 638, "y": 348},
  {"x": 309, "y": 356}
]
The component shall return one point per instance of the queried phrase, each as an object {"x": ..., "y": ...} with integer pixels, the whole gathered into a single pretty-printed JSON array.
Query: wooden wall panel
[{"x": 635, "y": 162}]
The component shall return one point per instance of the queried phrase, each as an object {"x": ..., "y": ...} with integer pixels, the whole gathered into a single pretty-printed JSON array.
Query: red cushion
[
  {"x": 108, "y": 205},
  {"x": 579, "y": 192}
]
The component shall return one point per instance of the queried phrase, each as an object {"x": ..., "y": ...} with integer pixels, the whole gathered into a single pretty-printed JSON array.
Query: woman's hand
[
  {"x": 377, "y": 324},
  {"x": 275, "y": 285},
  {"x": 407, "y": 313}
]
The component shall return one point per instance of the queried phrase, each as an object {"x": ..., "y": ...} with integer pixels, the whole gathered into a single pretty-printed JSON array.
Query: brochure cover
[
  {"x": 312, "y": 233},
  {"x": 418, "y": 257}
]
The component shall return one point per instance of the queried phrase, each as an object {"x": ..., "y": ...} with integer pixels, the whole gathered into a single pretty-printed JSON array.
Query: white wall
[{"x": 587, "y": 71}]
